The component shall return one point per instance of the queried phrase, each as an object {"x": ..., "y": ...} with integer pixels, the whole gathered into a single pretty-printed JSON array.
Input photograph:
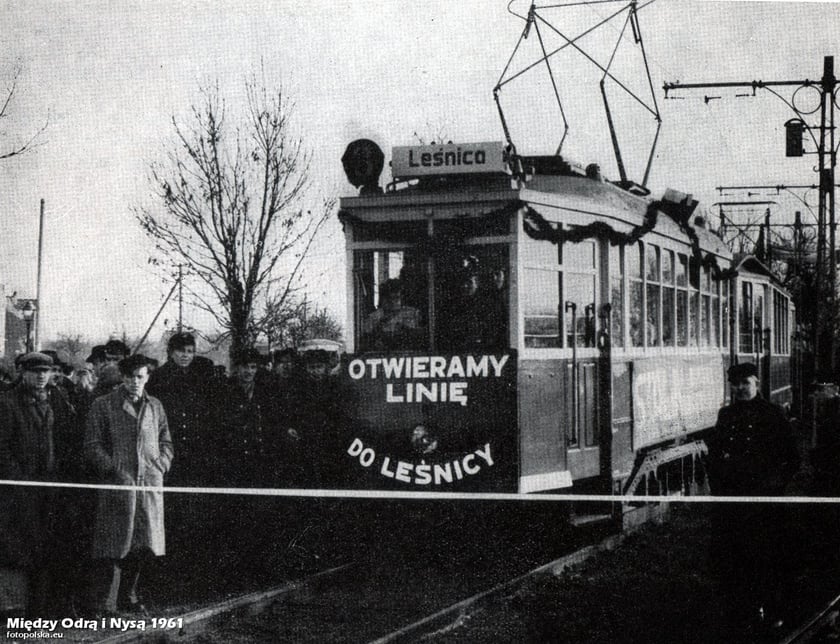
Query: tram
[{"x": 520, "y": 324}]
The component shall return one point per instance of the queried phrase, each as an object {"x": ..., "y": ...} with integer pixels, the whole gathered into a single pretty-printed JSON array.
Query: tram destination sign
[{"x": 452, "y": 158}]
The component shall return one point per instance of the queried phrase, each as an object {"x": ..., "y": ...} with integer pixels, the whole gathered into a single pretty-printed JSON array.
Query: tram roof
[
  {"x": 586, "y": 199},
  {"x": 752, "y": 264}
]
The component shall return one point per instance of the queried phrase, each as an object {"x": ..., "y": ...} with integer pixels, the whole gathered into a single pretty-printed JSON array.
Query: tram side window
[
  {"x": 580, "y": 321},
  {"x": 758, "y": 319},
  {"x": 724, "y": 306},
  {"x": 682, "y": 300},
  {"x": 635, "y": 264},
  {"x": 693, "y": 302},
  {"x": 716, "y": 313},
  {"x": 542, "y": 293},
  {"x": 390, "y": 300},
  {"x": 780, "y": 323},
  {"x": 579, "y": 289},
  {"x": 558, "y": 294},
  {"x": 745, "y": 319},
  {"x": 705, "y": 307},
  {"x": 616, "y": 296},
  {"x": 653, "y": 293},
  {"x": 668, "y": 298},
  {"x": 541, "y": 301}
]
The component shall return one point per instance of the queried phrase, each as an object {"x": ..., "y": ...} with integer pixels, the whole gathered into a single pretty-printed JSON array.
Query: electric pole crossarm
[{"x": 753, "y": 84}]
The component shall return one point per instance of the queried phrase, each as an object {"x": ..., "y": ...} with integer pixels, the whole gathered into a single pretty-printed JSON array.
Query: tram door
[
  {"x": 763, "y": 336},
  {"x": 582, "y": 373},
  {"x": 758, "y": 319}
]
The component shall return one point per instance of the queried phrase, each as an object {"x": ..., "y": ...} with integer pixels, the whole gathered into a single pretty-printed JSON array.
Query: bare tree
[
  {"x": 74, "y": 345},
  {"x": 292, "y": 322},
  {"x": 320, "y": 325},
  {"x": 232, "y": 207},
  {"x": 5, "y": 113}
]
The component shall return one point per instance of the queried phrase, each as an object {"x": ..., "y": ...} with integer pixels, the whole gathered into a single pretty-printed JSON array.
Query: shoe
[{"x": 134, "y": 608}]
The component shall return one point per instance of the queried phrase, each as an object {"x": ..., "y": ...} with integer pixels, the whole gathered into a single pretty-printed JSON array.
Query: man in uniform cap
[
  {"x": 752, "y": 452},
  {"x": 32, "y": 434}
]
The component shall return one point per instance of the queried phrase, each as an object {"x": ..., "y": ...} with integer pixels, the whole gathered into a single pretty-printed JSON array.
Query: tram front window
[
  {"x": 391, "y": 301},
  {"x": 470, "y": 299}
]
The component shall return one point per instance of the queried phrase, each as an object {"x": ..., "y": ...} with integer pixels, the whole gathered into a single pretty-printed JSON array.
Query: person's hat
[
  {"x": 179, "y": 341},
  {"x": 315, "y": 356},
  {"x": 389, "y": 287},
  {"x": 97, "y": 354},
  {"x": 131, "y": 363},
  {"x": 738, "y": 372},
  {"x": 287, "y": 353},
  {"x": 116, "y": 348},
  {"x": 248, "y": 356},
  {"x": 57, "y": 362},
  {"x": 35, "y": 361}
]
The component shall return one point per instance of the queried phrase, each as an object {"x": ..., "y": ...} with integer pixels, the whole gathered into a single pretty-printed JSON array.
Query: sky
[{"x": 108, "y": 77}]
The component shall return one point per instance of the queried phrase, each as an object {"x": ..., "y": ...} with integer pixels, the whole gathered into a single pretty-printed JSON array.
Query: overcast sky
[{"x": 110, "y": 75}]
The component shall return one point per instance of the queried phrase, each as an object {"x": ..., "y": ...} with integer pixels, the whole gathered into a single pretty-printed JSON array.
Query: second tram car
[{"x": 522, "y": 325}]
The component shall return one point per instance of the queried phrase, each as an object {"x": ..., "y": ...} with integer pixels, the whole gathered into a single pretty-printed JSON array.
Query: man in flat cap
[
  {"x": 127, "y": 442},
  {"x": 32, "y": 434},
  {"x": 752, "y": 452}
]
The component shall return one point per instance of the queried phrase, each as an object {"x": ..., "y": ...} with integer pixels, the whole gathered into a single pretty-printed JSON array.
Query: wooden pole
[{"x": 38, "y": 283}]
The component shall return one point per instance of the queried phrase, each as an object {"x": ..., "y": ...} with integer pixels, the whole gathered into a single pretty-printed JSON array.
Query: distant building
[{"x": 12, "y": 326}]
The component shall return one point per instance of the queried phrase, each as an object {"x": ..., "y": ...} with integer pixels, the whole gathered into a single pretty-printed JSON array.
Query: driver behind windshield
[{"x": 392, "y": 325}]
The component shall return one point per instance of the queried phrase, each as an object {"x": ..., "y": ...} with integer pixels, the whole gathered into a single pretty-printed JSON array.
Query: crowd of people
[{"x": 125, "y": 420}]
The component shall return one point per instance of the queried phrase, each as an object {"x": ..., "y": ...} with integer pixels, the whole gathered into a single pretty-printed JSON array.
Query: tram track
[
  {"x": 391, "y": 586},
  {"x": 822, "y": 627}
]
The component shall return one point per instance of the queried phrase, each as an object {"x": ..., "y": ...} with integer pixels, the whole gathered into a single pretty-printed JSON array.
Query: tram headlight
[
  {"x": 363, "y": 161},
  {"x": 422, "y": 440}
]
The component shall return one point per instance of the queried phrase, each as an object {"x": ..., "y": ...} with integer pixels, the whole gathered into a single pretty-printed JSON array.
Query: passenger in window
[
  {"x": 392, "y": 325},
  {"x": 464, "y": 323},
  {"x": 496, "y": 304}
]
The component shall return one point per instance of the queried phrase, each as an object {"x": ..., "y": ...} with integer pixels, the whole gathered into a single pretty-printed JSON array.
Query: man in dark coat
[
  {"x": 185, "y": 388},
  {"x": 320, "y": 420},
  {"x": 127, "y": 442},
  {"x": 752, "y": 452},
  {"x": 32, "y": 438},
  {"x": 251, "y": 436}
]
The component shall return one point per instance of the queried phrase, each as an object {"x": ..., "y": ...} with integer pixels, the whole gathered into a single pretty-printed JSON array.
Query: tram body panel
[
  {"x": 559, "y": 422},
  {"x": 442, "y": 422},
  {"x": 674, "y": 396}
]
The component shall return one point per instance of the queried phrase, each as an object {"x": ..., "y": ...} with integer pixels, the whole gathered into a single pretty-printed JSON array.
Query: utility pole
[
  {"x": 37, "y": 342},
  {"x": 823, "y": 332}
]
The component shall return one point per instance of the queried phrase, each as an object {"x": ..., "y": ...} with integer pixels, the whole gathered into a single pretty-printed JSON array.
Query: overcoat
[
  {"x": 27, "y": 453},
  {"x": 189, "y": 397},
  {"x": 752, "y": 451},
  {"x": 122, "y": 445}
]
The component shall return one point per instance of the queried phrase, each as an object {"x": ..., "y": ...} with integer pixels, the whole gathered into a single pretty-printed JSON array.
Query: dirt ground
[{"x": 661, "y": 585}]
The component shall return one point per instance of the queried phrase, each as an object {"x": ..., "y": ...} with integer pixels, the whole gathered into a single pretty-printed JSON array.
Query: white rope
[{"x": 452, "y": 496}]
